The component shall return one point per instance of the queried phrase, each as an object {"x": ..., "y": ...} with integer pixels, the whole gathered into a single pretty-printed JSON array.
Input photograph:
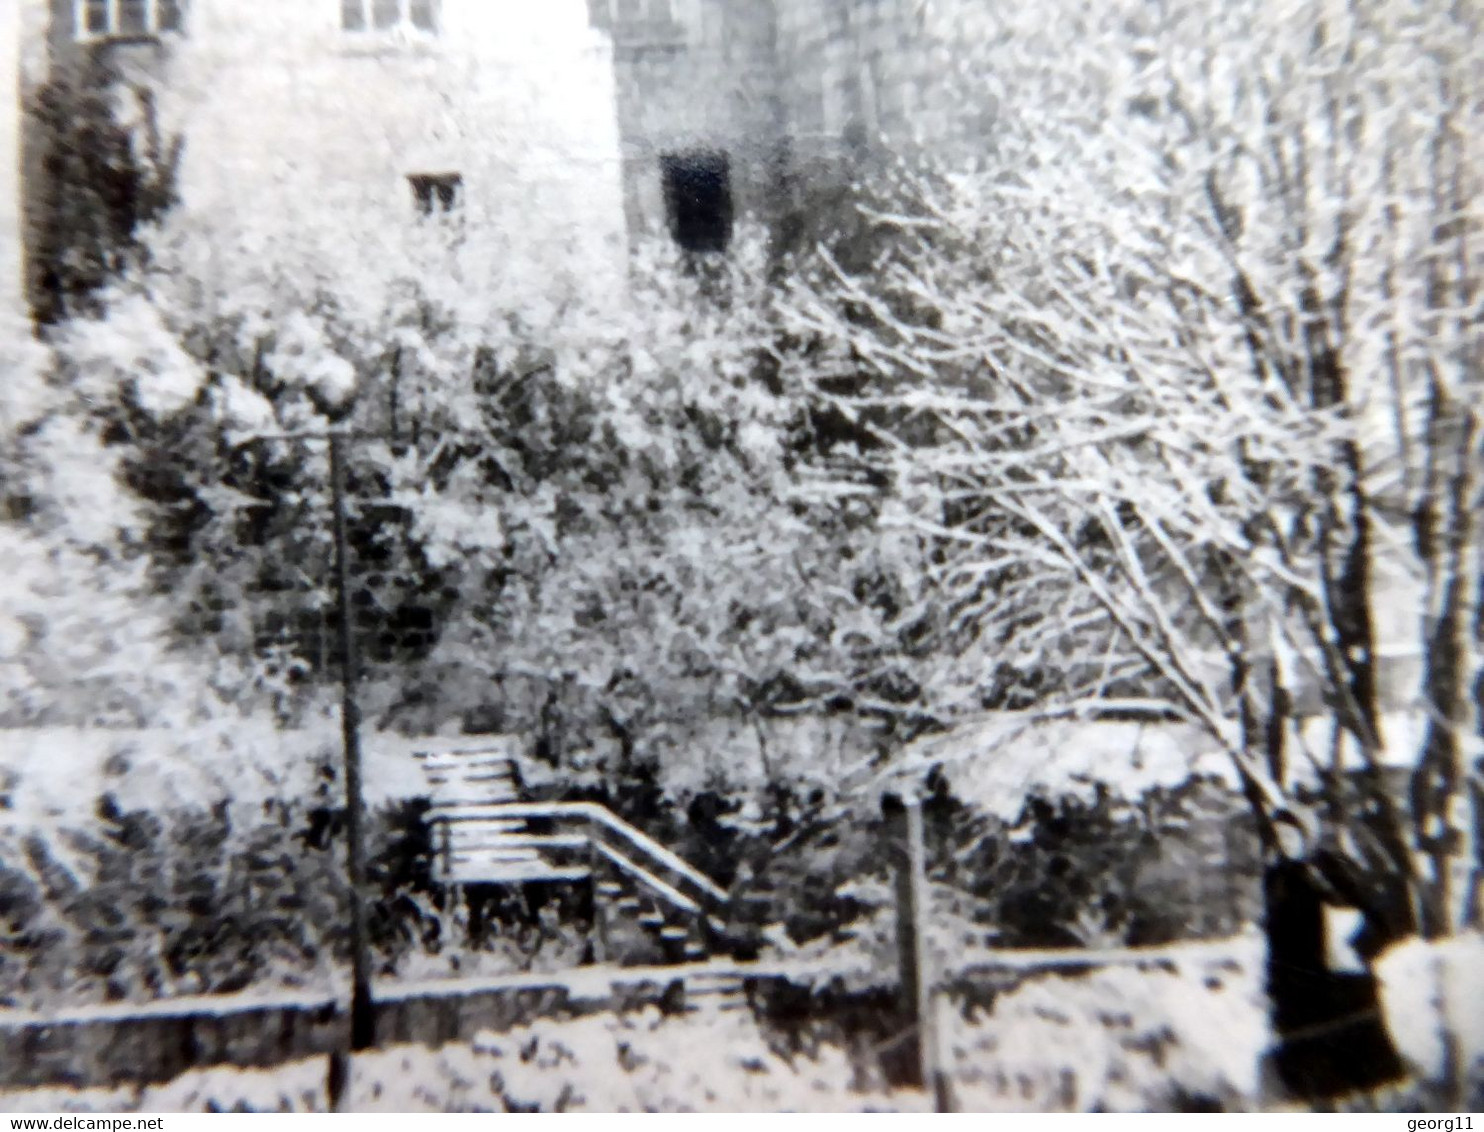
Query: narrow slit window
[
  {"x": 96, "y": 19},
  {"x": 133, "y": 17},
  {"x": 698, "y": 199}
]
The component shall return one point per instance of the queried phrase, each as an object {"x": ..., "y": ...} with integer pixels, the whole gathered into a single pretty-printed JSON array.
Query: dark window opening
[
  {"x": 386, "y": 14},
  {"x": 97, "y": 17},
  {"x": 133, "y": 17},
  {"x": 435, "y": 193},
  {"x": 698, "y": 199},
  {"x": 352, "y": 15},
  {"x": 424, "y": 14}
]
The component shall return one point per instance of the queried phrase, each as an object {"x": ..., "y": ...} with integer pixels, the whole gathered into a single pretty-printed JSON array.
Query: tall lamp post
[
  {"x": 362, "y": 1009},
  {"x": 362, "y": 1006}
]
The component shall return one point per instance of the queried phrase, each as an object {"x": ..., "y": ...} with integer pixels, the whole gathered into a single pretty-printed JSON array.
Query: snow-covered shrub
[
  {"x": 84, "y": 633},
  {"x": 150, "y": 903},
  {"x": 1179, "y": 1036},
  {"x": 537, "y": 494},
  {"x": 1185, "y": 1034}
]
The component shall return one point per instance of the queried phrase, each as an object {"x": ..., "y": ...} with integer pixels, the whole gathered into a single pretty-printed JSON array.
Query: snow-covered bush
[
  {"x": 578, "y": 520},
  {"x": 1190, "y": 1034},
  {"x": 639, "y": 1061},
  {"x": 84, "y": 632},
  {"x": 151, "y": 903}
]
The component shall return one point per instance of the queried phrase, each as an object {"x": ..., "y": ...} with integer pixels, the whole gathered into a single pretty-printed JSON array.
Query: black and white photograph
[{"x": 742, "y": 556}]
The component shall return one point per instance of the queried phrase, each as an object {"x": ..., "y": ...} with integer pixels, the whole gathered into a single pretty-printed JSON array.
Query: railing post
[
  {"x": 600, "y": 917},
  {"x": 914, "y": 964}
]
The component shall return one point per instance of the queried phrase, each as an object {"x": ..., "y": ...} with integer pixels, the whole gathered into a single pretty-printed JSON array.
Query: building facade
[
  {"x": 751, "y": 106},
  {"x": 342, "y": 135},
  {"x": 547, "y": 135}
]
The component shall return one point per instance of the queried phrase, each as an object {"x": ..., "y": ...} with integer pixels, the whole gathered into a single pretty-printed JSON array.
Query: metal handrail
[
  {"x": 673, "y": 895},
  {"x": 604, "y": 818}
]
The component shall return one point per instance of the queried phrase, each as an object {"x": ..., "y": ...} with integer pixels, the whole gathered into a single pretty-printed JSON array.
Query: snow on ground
[
  {"x": 52, "y": 774},
  {"x": 1122, "y": 1038},
  {"x": 1119, "y": 1038},
  {"x": 998, "y": 761},
  {"x": 1429, "y": 989},
  {"x": 635, "y": 1062}
]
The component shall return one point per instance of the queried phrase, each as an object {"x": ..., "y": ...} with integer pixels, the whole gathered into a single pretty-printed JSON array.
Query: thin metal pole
[
  {"x": 362, "y": 1010},
  {"x": 933, "y": 1076}
]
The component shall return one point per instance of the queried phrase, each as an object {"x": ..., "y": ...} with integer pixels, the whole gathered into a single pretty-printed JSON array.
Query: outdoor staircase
[
  {"x": 634, "y": 924},
  {"x": 647, "y": 900},
  {"x": 711, "y": 993}
]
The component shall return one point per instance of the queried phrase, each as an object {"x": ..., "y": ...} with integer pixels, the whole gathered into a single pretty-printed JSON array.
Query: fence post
[{"x": 917, "y": 982}]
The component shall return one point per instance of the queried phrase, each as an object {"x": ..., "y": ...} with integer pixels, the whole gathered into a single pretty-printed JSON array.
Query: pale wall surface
[
  {"x": 12, "y": 305},
  {"x": 300, "y": 136},
  {"x": 556, "y": 114}
]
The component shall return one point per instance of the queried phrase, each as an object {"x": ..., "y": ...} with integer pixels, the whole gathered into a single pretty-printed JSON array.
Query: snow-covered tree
[{"x": 1176, "y": 382}]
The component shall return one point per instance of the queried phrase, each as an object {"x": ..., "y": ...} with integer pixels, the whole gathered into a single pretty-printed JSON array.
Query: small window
[
  {"x": 698, "y": 198},
  {"x": 133, "y": 17},
  {"x": 126, "y": 19},
  {"x": 389, "y": 15},
  {"x": 436, "y": 194}
]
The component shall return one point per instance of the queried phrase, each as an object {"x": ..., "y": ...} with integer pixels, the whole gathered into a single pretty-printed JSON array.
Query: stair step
[
  {"x": 735, "y": 986},
  {"x": 519, "y": 872},
  {"x": 610, "y": 888},
  {"x": 672, "y": 932},
  {"x": 652, "y": 920},
  {"x": 719, "y": 1006}
]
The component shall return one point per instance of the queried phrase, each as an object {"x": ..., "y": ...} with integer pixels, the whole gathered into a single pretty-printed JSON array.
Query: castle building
[
  {"x": 546, "y": 135},
  {"x": 341, "y": 136}
]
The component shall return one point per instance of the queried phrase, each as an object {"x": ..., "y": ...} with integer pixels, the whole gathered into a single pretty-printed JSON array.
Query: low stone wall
[
  {"x": 110, "y": 1047},
  {"x": 115, "y": 1046}
]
